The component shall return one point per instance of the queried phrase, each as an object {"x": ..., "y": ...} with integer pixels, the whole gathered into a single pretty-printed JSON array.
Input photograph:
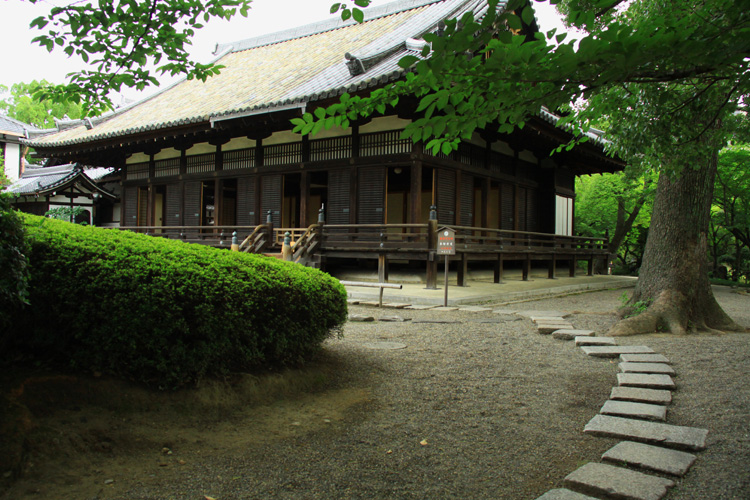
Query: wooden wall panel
[
  {"x": 270, "y": 199},
  {"x": 507, "y": 206},
  {"x": 246, "y": 214},
  {"x": 130, "y": 215},
  {"x": 446, "y": 196},
  {"x": 467, "y": 200},
  {"x": 173, "y": 205},
  {"x": 371, "y": 199},
  {"x": 339, "y": 195},
  {"x": 192, "y": 216}
]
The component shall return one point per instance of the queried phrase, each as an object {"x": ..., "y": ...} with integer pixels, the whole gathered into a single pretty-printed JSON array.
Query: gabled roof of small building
[
  {"x": 10, "y": 127},
  {"x": 45, "y": 180},
  {"x": 282, "y": 70}
]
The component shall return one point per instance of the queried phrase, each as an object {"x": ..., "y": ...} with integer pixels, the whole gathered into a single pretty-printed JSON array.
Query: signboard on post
[
  {"x": 446, "y": 241},
  {"x": 446, "y": 245}
]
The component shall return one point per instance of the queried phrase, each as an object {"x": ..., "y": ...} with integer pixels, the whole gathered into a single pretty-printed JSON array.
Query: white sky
[{"x": 23, "y": 61}]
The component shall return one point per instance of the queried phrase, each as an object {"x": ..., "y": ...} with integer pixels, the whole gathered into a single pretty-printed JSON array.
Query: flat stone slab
[
  {"x": 388, "y": 346},
  {"x": 602, "y": 351},
  {"x": 353, "y": 302},
  {"x": 394, "y": 305},
  {"x": 646, "y": 380},
  {"x": 371, "y": 303},
  {"x": 546, "y": 329},
  {"x": 361, "y": 318},
  {"x": 570, "y": 334},
  {"x": 438, "y": 321},
  {"x": 541, "y": 314},
  {"x": 417, "y": 307},
  {"x": 643, "y": 358},
  {"x": 653, "y": 396},
  {"x": 563, "y": 494},
  {"x": 445, "y": 308},
  {"x": 585, "y": 340},
  {"x": 394, "y": 319},
  {"x": 634, "y": 410},
  {"x": 474, "y": 309},
  {"x": 548, "y": 319},
  {"x": 673, "y": 436},
  {"x": 645, "y": 456},
  {"x": 659, "y": 368},
  {"x": 616, "y": 482}
]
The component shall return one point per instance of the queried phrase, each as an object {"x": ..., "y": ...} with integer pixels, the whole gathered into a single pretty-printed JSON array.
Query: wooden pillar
[
  {"x": 431, "y": 276},
  {"x": 304, "y": 196},
  {"x": 591, "y": 266},
  {"x": 462, "y": 270},
  {"x": 552, "y": 267},
  {"x": 415, "y": 193},
  {"x": 572, "y": 263},
  {"x": 527, "y": 267},
  {"x": 499, "y": 269}
]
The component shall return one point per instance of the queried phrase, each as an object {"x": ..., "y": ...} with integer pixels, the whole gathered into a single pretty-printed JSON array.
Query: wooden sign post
[{"x": 446, "y": 245}]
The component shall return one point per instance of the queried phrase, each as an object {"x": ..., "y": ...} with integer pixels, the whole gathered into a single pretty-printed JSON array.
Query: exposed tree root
[{"x": 671, "y": 312}]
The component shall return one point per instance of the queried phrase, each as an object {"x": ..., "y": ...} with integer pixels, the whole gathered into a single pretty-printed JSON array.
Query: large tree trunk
[{"x": 674, "y": 276}]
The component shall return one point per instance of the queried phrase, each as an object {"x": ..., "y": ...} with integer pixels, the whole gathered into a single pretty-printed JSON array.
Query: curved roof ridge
[{"x": 325, "y": 25}]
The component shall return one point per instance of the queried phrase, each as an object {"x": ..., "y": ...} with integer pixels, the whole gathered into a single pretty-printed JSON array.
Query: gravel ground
[{"x": 479, "y": 406}]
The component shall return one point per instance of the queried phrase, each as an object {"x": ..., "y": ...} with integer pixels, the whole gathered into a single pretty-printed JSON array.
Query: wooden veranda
[{"x": 315, "y": 245}]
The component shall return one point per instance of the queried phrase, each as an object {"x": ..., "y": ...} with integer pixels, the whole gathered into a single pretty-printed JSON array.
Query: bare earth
[{"x": 478, "y": 407}]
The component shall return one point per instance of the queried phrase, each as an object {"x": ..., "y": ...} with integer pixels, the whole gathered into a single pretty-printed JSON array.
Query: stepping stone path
[
  {"x": 571, "y": 334},
  {"x": 615, "y": 351},
  {"x": 641, "y": 395},
  {"x": 643, "y": 358},
  {"x": 661, "y": 368},
  {"x": 645, "y": 456},
  {"x": 635, "y": 412},
  {"x": 581, "y": 341},
  {"x": 616, "y": 482},
  {"x": 645, "y": 380}
]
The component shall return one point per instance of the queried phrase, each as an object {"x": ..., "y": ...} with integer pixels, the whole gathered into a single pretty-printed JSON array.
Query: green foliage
[
  {"x": 120, "y": 39},
  {"x": 13, "y": 269},
  {"x": 730, "y": 214},
  {"x": 633, "y": 308},
  {"x": 22, "y": 104},
  {"x": 351, "y": 13},
  {"x": 168, "y": 313},
  {"x": 618, "y": 205},
  {"x": 69, "y": 214},
  {"x": 655, "y": 71}
]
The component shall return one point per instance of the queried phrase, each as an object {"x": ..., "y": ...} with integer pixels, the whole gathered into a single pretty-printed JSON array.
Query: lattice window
[
  {"x": 137, "y": 171},
  {"x": 500, "y": 163},
  {"x": 335, "y": 148},
  {"x": 470, "y": 154},
  {"x": 165, "y": 168},
  {"x": 282, "y": 154},
  {"x": 201, "y": 163},
  {"x": 384, "y": 143},
  {"x": 240, "y": 158}
]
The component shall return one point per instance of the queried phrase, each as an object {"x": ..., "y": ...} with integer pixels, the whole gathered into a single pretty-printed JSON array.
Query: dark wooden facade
[{"x": 364, "y": 175}]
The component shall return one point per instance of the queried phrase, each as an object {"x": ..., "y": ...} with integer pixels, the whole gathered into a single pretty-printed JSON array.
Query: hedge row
[{"x": 165, "y": 312}]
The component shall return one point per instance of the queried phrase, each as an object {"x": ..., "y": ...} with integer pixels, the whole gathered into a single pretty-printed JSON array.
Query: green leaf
[
  {"x": 335, "y": 8},
  {"x": 358, "y": 15},
  {"x": 407, "y": 61}
]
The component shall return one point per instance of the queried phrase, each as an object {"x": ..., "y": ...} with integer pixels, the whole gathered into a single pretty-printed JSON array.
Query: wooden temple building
[{"x": 201, "y": 160}]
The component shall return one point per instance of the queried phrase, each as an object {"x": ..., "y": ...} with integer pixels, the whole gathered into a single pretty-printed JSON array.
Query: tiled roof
[
  {"x": 11, "y": 126},
  {"x": 41, "y": 180},
  {"x": 287, "y": 68}
]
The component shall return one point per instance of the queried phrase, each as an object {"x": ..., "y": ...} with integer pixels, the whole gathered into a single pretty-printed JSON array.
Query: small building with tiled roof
[
  {"x": 41, "y": 189},
  {"x": 12, "y": 151},
  {"x": 221, "y": 152}
]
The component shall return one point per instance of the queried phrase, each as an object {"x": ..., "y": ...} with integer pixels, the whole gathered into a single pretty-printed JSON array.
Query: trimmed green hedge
[{"x": 165, "y": 312}]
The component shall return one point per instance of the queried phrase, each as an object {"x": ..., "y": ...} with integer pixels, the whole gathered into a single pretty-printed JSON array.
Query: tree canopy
[{"x": 22, "y": 103}]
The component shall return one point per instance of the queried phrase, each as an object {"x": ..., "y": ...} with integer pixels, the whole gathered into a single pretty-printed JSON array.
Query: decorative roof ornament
[{"x": 355, "y": 65}]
